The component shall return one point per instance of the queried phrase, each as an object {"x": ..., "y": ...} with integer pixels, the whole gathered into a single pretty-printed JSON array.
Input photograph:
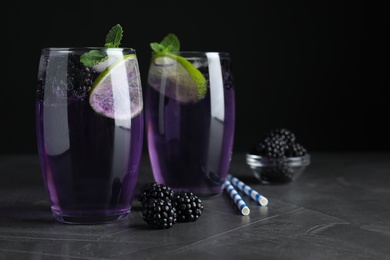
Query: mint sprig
[
  {"x": 113, "y": 40},
  {"x": 170, "y": 43},
  {"x": 114, "y": 37}
]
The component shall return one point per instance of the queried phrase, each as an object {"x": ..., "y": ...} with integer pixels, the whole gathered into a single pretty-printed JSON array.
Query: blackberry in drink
[
  {"x": 190, "y": 120},
  {"x": 90, "y": 125}
]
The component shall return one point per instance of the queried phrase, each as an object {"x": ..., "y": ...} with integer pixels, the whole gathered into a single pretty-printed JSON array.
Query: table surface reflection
[{"x": 338, "y": 209}]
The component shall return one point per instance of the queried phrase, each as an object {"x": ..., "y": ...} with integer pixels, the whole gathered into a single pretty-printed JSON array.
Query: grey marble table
[{"x": 338, "y": 209}]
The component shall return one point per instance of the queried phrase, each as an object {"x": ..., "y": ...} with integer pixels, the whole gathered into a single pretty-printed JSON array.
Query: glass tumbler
[
  {"x": 89, "y": 124},
  {"x": 190, "y": 120}
]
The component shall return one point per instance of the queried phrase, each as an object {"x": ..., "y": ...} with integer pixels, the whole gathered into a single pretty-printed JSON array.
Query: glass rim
[
  {"x": 198, "y": 53},
  {"x": 259, "y": 161},
  {"x": 73, "y": 49}
]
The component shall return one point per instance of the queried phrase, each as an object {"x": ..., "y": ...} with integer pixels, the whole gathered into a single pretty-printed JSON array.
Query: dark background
[{"x": 319, "y": 68}]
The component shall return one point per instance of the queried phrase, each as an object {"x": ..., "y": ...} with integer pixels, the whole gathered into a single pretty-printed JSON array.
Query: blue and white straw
[
  {"x": 263, "y": 201},
  {"x": 244, "y": 209}
]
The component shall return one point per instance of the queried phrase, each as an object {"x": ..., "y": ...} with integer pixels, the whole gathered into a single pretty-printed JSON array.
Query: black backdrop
[{"x": 319, "y": 68}]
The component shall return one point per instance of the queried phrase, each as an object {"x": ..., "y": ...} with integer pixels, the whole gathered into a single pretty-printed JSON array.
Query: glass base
[{"x": 89, "y": 218}]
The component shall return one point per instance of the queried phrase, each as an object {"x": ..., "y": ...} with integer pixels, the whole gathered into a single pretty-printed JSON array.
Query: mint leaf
[
  {"x": 113, "y": 40},
  {"x": 114, "y": 37},
  {"x": 93, "y": 57},
  {"x": 156, "y": 47},
  {"x": 170, "y": 43}
]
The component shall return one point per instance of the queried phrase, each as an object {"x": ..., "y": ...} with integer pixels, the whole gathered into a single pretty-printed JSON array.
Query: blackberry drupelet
[
  {"x": 188, "y": 206},
  {"x": 159, "y": 213},
  {"x": 155, "y": 190}
]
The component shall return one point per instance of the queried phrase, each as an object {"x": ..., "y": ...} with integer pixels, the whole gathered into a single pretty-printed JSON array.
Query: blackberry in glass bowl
[{"x": 278, "y": 157}]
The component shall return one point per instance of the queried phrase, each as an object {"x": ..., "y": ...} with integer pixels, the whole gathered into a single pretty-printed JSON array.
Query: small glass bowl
[{"x": 280, "y": 170}]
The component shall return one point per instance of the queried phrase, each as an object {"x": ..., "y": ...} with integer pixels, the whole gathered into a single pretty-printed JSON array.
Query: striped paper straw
[
  {"x": 237, "y": 198},
  {"x": 263, "y": 201}
]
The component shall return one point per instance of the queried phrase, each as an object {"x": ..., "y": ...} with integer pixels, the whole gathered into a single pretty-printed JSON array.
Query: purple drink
[
  {"x": 190, "y": 143},
  {"x": 89, "y": 160}
]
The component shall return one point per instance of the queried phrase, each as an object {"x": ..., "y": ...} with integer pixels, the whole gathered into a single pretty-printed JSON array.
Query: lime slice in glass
[
  {"x": 177, "y": 78},
  {"x": 117, "y": 92}
]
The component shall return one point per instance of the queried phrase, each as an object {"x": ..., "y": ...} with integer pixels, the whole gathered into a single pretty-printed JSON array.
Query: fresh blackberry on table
[
  {"x": 295, "y": 150},
  {"x": 159, "y": 213},
  {"x": 155, "y": 190},
  {"x": 188, "y": 206}
]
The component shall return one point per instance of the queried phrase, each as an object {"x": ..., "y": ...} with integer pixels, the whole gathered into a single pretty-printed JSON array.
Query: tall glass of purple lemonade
[
  {"x": 190, "y": 120},
  {"x": 90, "y": 123}
]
